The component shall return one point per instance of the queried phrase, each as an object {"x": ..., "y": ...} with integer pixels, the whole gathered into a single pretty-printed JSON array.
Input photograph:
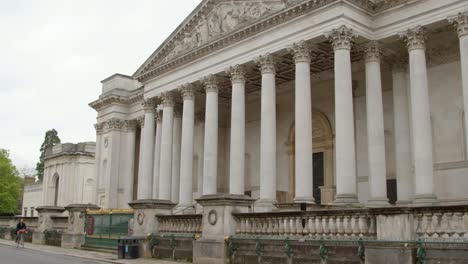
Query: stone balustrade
[
  {"x": 319, "y": 224},
  {"x": 187, "y": 224},
  {"x": 442, "y": 225},
  {"x": 433, "y": 223}
]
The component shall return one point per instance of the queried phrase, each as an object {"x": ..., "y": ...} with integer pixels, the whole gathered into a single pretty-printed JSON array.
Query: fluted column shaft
[
  {"x": 200, "y": 118},
  {"x": 176, "y": 138},
  {"x": 210, "y": 159},
  {"x": 461, "y": 23},
  {"x": 165, "y": 166},
  {"x": 402, "y": 135},
  {"x": 145, "y": 179},
  {"x": 268, "y": 131},
  {"x": 157, "y": 156},
  {"x": 303, "y": 124},
  {"x": 346, "y": 190},
  {"x": 130, "y": 158},
  {"x": 237, "y": 149},
  {"x": 421, "y": 117},
  {"x": 375, "y": 128},
  {"x": 186, "y": 155}
]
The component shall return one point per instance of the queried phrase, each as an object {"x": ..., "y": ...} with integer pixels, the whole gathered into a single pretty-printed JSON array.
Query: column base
[
  {"x": 265, "y": 205},
  {"x": 304, "y": 200},
  {"x": 425, "y": 199},
  {"x": 378, "y": 202},
  {"x": 346, "y": 200},
  {"x": 403, "y": 202}
]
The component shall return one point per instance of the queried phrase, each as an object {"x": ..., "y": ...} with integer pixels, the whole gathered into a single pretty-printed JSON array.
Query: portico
[{"x": 349, "y": 104}]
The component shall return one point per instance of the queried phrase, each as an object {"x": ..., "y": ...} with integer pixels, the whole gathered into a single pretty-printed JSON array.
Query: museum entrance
[{"x": 322, "y": 148}]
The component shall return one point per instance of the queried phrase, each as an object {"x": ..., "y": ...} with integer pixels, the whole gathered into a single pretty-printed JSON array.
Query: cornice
[{"x": 116, "y": 99}]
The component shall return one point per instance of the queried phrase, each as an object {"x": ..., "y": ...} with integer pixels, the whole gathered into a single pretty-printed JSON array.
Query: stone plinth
[
  {"x": 218, "y": 222},
  {"x": 145, "y": 221},
  {"x": 45, "y": 221},
  {"x": 74, "y": 237}
]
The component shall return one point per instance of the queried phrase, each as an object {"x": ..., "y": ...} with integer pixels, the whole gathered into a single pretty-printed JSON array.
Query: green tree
[
  {"x": 51, "y": 139},
  {"x": 10, "y": 184}
]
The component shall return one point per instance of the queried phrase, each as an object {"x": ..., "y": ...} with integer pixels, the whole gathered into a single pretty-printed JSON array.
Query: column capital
[
  {"x": 266, "y": 63},
  {"x": 167, "y": 99},
  {"x": 210, "y": 83},
  {"x": 130, "y": 125},
  {"x": 237, "y": 73},
  {"x": 148, "y": 105},
  {"x": 99, "y": 127},
  {"x": 460, "y": 21},
  {"x": 414, "y": 38},
  {"x": 187, "y": 91},
  {"x": 341, "y": 38},
  {"x": 115, "y": 124},
  {"x": 300, "y": 51},
  {"x": 158, "y": 117},
  {"x": 140, "y": 121},
  {"x": 373, "y": 52}
]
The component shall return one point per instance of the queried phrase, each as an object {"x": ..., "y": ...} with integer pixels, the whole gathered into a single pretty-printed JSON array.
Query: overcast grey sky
[{"x": 54, "y": 53}]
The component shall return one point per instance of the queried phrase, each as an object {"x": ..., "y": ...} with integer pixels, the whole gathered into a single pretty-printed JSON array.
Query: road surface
[{"x": 13, "y": 255}]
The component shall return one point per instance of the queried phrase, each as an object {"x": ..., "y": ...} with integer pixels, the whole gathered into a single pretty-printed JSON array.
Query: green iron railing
[
  {"x": 420, "y": 245},
  {"x": 103, "y": 230}
]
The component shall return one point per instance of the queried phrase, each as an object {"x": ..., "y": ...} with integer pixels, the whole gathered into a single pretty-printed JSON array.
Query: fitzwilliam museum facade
[{"x": 295, "y": 131}]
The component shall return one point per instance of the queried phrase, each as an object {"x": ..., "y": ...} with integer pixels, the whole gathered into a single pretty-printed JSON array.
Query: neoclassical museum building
[{"x": 326, "y": 102}]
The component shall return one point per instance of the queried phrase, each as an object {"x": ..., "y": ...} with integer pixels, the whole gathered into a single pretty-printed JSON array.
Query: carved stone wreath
[
  {"x": 212, "y": 217},
  {"x": 141, "y": 217}
]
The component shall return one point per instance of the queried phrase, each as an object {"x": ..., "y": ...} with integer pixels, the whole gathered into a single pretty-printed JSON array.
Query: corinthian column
[
  {"x": 461, "y": 23},
  {"x": 303, "y": 124},
  {"x": 267, "y": 135},
  {"x": 401, "y": 129},
  {"x": 165, "y": 166},
  {"x": 176, "y": 137},
  {"x": 129, "y": 158},
  {"x": 421, "y": 117},
  {"x": 210, "y": 159},
  {"x": 237, "y": 156},
  {"x": 346, "y": 193},
  {"x": 375, "y": 128},
  {"x": 145, "y": 179},
  {"x": 157, "y": 155},
  {"x": 186, "y": 152}
]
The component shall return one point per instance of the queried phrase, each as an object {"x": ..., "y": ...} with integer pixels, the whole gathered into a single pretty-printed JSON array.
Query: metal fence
[{"x": 104, "y": 227}]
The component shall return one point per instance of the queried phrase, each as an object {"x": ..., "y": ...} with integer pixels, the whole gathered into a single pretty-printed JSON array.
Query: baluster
[
  {"x": 286, "y": 226},
  {"x": 339, "y": 226},
  {"x": 430, "y": 230},
  {"x": 363, "y": 226},
  {"x": 444, "y": 226},
  {"x": 325, "y": 228},
  {"x": 438, "y": 232},
  {"x": 298, "y": 226},
  {"x": 311, "y": 223},
  {"x": 347, "y": 226},
  {"x": 354, "y": 225},
  {"x": 280, "y": 226},
  {"x": 276, "y": 222},
  {"x": 292, "y": 228},
  {"x": 419, "y": 228},
  {"x": 332, "y": 225},
  {"x": 305, "y": 224},
  {"x": 269, "y": 226},
  {"x": 318, "y": 226},
  {"x": 459, "y": 224}
]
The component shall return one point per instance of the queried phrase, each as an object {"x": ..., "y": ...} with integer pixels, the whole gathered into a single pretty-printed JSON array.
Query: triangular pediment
[{"x": 210, "y": 21}]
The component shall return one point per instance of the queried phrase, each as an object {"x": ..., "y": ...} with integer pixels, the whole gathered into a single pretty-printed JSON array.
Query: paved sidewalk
[{"x": 86, "y": 254}]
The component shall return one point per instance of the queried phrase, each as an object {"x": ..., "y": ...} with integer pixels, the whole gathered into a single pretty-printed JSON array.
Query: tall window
[
  {"x": 56, "y": 191},
  {"x": 32, "y": 211},
  {"x": 25, "y": 211}
]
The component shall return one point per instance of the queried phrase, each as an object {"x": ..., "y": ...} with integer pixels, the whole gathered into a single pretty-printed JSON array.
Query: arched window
[{"x": 56, "y": 194}]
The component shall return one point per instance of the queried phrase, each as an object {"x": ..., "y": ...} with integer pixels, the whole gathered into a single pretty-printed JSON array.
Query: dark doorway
[
  {"x": 318, "y": 176},
  {"x": 392, "y": 191}
]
